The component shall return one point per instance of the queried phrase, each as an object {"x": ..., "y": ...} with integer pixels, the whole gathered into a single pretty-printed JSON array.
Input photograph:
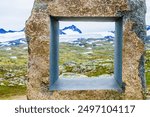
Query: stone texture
[
  {"x": 132, "y": 52},
  {"x": 38, "y": 31}
]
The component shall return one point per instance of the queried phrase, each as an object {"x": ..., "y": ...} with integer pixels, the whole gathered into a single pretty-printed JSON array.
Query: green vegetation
[
  {"x": 13, "y": 62},
  {"x": 147, "y": 68},
  {"x": 13, "y": 71},
  {"x": 88, "y": 60},
  {"x": 6, "y": 92}
]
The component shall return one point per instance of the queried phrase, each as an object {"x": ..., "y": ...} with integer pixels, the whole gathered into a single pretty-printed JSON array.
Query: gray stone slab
[
  {"x": 41, "y": 30},
  {"x": 85, "y": 84}
]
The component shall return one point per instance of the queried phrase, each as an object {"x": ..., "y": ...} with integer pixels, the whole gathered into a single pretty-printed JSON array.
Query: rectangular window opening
[{"x": 86, "y": 53}]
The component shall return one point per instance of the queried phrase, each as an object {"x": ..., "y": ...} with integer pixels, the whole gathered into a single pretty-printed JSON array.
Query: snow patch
[
  {"x": 71, "y": 32},
  {"x": 8, "y": 48},
  {"x": 11, "y": 36},
  {"x": 73, "y": 37},
  {"x": 13, "y": 57},
  {"x": 148, "y": 32}
]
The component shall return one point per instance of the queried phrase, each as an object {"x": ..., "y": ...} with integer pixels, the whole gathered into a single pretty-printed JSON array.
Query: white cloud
[
  {"x": 11, "y": 36},
  {"x": 14, "y": 13}
]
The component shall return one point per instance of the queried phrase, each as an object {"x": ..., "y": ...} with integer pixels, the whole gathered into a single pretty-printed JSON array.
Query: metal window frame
[{"x": 54, "y": 46}]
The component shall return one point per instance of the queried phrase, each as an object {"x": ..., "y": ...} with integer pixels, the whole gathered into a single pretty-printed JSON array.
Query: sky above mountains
[
  {"x": 13, "y": 16},
  {"x": 14, "y": 13}
]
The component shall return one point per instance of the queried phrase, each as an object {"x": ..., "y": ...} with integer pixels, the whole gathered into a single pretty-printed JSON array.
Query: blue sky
[{"x": 13, "y": 16}]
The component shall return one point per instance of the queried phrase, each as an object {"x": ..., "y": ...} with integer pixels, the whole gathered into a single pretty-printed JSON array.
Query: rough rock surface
[{"x": 38, "y": 31}]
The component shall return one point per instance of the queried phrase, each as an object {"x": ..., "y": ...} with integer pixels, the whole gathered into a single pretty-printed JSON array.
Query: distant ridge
[
  {"x": 71, "y": 28},
  {"x": 13, "y": 38},
  {"x": 3, "y": 31}
]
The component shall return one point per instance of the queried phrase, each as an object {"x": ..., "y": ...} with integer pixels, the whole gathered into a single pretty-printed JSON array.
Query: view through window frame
[{"x": 54, "y": 47}]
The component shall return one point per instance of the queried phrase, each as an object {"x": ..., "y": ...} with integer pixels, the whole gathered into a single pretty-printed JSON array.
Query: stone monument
[{"x": 38, "y": 33}]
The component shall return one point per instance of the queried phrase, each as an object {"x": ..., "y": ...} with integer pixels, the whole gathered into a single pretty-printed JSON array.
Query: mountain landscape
[
  {"x": 67, "y": 34},
  {"x": 81, "y": 55},
  {"x": 70, "y": 29},
  {"x": 2, "y": 31}
]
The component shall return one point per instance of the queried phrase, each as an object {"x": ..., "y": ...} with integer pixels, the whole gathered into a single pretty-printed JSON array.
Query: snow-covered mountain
[
  {"x": 148, "y": 29},
  {"x": 11, "y": 38},
  {"x": 14, "y": 42},
  {"x": 72, "y": 33},
  {"x": 69, "y": 30},
  {"x": 95, "y": 35},
  {"x": 148, "y": 34},
  {"x": 3, "y": 31},
  {"x": 69, "y": 34}
]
